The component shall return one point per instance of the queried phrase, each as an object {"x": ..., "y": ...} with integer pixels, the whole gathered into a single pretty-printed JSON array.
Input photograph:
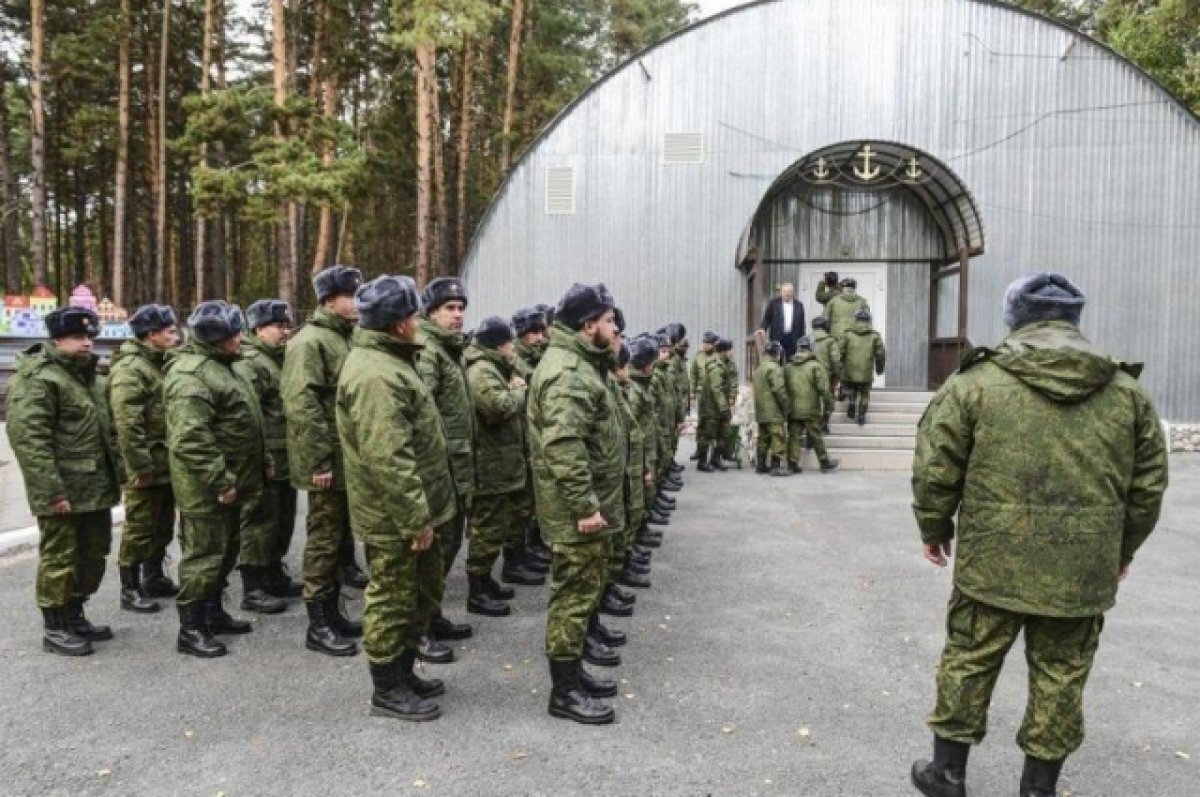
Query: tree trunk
[
  {"x": 426, "y": 97},
  {"x": 283, "y": 221},
  {"x": 37, "y": 135},
  {"x": 9, "y": 199},
  {"x": 441, "y": 208},
  {"x": 122, "y": 190},
  {"x": 325, "y": 89},
  {"x": 160, "y": 216},
  {"x": 203, "y": 282},
  {"x": 222, "y": 274},
  {"x": 466, "y": 122},
  {"x": 510, "y": 91},
  {"x": 79, "y": 258}
]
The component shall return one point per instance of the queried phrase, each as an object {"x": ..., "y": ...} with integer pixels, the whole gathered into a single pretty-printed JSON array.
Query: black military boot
[
  {"x": 58, "y": 636},
  {"x": 279, "y": 583},
  {"x": 946, "y": 774},
  {"x": 422, "y": 687},
  {"x": 349, "y": 573},
  {"x": 154, "y": 581},
  {"x": 825, "y": 423},
  {"x": 394, "y": 698},
  {"x": 598, "y": 653},
  {"x": 613, "y": 606},
  {"x": 596, "y": 687},
  {"x": 81, "y": 626},
  {"x": 537, "y": 544},
  {"x": 132, "y": 599},
  {"x": 794, "y": 467},
  {"x": 622, "y": 595},
  {"x": 637, "y": 564},
  {"x": 351, "y": 629},
  {"x": 702, "y": 464},
  {"x": 515, "y": 572},
  {"x": 568, "y": 699},
  {"x": 497, "y": 590},
  {"x": 434, "y": 652},
  {"x": 534, "y": 564},
  {"x": 641, "y": 550},
  {"x": 1040, "y": 778},
  {"x": 321, "y": 636},
  {"x": 640, "y": 556},
  {"x": 480, "y": 602},
  {"x": 445, "y": 629},
  {"x": 675, "y": 467},
  {"x": 862, "y": 415},
  {"x": 667, "y": 501},
  {"x": 695, "y": 455},
  {"x": 760, "y": 464},
  {"x": 195, "y": 638},
  {"x": 610, "y": 637},
  {"x": 716, "y": 461},
  {"x": 255, "y": 597},
  {"x": 830, "y": 465},
  {"x": 657, "y": 518},
  {"x": 632, "y": 578},
  {"x": 221, "y": 622},
  {"x": 779, "y": 470},
  {"x": 851, "y": 411}
]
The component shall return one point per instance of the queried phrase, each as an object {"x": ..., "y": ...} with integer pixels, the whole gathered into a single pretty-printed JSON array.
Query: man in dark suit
[{"x": 784, "y": 319}]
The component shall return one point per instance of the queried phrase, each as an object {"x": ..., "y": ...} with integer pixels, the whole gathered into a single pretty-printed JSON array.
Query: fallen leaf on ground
[
  {"x": 727, "y": 729},
  {"x": 519, "y": 755},
  {"x": 1181, "y": 754},
  {"x": 804, "y": 733},
  {"x": 104, "y": 773}
]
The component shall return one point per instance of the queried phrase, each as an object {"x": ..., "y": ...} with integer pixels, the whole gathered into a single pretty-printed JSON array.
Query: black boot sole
[
  {"x": 69, "y": 652},
  {"x": 151, "y": 609},
  {"x": 436, "y": 659},
  {"x": 248, "y": 606},
  {"x": 615, "y": 612},
  {"x": 489, "y": 612},
  {"x": 201, "y": 654},
  {"x": 524, "y": 581},
  {"x": 567, "y": 714},
  {"x": 615, "y": 661},
  {"x": 380, "y": 711},
  {"x": 313, "y": 646}
]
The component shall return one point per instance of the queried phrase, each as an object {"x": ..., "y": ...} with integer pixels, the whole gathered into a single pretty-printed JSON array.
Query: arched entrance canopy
[{"x": 882, "y": 166}]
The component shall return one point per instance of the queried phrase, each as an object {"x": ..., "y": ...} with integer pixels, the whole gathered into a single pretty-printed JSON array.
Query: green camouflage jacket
[
  {"x": 771, "y": 403},
  {"x": 441, "y": 366},
  {"x": 526, "y": 360},
  {"x": 635, "y": 468},
  {"x": 263, "y": 364},
  {"x": 60, "y": 429},
  {"x": 643, "y": 403},
  {"x": 863, "y": 354},
  {"x": 578, "y": 443},
  {"x": 664, "y": 395},
  {"x": 712, "y": 399},
  {"x": 696, "y": 372},
  {"x": 732, "y": 379},
  {"x": 683, "y": 387},
  {"x": 135, "y": 393},
  {"x": 826, "y": 292},
  {"x": 840, "y": 311},
  {"x": 499, "y": 422},
  {"x": 1054, "y": 461},
  {"x": 808, "y": 390},
  {"x": 214, "y": 429},
  {"x": 828, "y": 352},
  {"x": 310, "y": 377},
  {"x": 397, "y": 471}
]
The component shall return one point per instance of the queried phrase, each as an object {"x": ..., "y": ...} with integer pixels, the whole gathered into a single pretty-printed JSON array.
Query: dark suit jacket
[{"x": 772, "y": 323}]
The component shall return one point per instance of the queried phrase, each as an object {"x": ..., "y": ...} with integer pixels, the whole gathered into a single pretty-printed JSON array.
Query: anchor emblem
[
  {"x": 913, "y": 172},
  {"x": 867, "y": 172},
  {"x": 822, "y": 171}
]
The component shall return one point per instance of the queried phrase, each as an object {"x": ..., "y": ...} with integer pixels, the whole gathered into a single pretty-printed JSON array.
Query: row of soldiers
[
  {"x": 846, "y": 343},
  {"x": 398, "y": 428}
]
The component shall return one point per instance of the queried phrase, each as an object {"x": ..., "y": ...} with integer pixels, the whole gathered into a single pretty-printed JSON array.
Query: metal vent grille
[
  {"x": 560, "y": 191},
  {"x": 683, "y": 148}
]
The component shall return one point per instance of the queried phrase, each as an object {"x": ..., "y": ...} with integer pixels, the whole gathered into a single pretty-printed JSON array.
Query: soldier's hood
[
  {"x": 135, "y": 348},
  {"x": 44, "y": 353},
  {"x": 861, "y": 328},
  {"x": 476, "y": 353},
  {"x": 452, "y": 341},
  {"x": 801, "y": 357},
  {"x": 1056, "y": 360}
]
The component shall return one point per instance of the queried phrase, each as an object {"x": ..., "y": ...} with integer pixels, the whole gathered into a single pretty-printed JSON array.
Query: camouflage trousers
[
  {"x": 797, "y": 428},
  {"x": 328, "y": 526},
  {"x": 399, "y": 599},
  {"x": 71, "y": 556},
  {"x": 1059, "y": 651},
  {"x": 708, "y": 430},
  {"x": 149, "y": 524},
  {"x": 210, "y": 550},
  {"x": 451, "y": 533},
  {"x": 622, "y": 541},
  {"x": 772, "y": 441},
  {"x": 578, "y": 575},
  {"x": 497, "y": 522},
  {"x": 858, "y": 393},
  {"x": 267, "y": 530}
]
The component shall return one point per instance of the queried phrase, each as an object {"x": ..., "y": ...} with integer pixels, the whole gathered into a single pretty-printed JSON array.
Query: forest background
[{"x": 179, "y": 150}]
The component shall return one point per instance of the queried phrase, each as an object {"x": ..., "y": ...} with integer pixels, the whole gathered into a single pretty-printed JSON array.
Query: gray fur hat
[{"x": 1043, "y": 296}]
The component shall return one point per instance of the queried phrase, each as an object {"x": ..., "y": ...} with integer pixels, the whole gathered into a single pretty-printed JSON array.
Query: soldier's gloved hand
[
  {"x": 323, "y": 480},
  {"x": 61, "y": 507},
  {"x": 228, "y": 497},
  {"x": 143, "y": 480},
  {"x": 590, "y": 525},
  {"x": 423, "y": 541}
]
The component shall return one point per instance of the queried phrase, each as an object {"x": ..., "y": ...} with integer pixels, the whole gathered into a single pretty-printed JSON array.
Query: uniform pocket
[{"x": 960, "y": 619}]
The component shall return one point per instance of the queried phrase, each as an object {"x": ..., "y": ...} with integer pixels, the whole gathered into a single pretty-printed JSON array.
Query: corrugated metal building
[{"x": 936, "y": 149}]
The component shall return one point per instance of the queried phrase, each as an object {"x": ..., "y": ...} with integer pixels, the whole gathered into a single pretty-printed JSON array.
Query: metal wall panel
[
  {"x": 1078, "y": 162},
  {"x": 907, "y": 334}
]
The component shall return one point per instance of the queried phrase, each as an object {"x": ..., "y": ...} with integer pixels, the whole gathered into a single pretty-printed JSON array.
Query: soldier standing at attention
[
  {"x": 400, "y": 485},
  {"x": 62, "y": 434},
  {"x": 531, "y": 326},
  {"x": 696, "y": 370},
  {"x": 579, "y": 468},
  {"x": 771, "y": 406},
  {"x": 809, "y": 400},
  {"x": 264, "y": 580},
  {"x": 498, "y": 398},
  {"x": 310, "y": 375},
  {"x": 643, "y": 402},
  {"x": 1048, "y": 522},
  {"x": 219, "y": 469},
  {"x": 712, "y": 410},
  {"x": 863, "y": 357},
  {"x": 135, "y": 390},
  {"x": 724, "y": 350}
]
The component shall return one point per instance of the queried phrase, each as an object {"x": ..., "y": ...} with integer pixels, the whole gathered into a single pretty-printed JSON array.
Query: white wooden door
[{"x": 872, "y": 286}]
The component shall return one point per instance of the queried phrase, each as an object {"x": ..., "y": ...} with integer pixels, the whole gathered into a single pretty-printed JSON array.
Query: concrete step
[
  {"x": 881, "y": 418},
  {"x": 872, "y": 429},
  {"x": 857, "y": 442},
  {"x": 862, "y": 459},
  {"x": 900, "y": 394},
  {"x": 887, "y": 405}
]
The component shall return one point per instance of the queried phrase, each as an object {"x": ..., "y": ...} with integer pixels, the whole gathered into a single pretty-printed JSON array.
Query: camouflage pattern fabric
[
  {"x": 71, "y": 555},
  {"x": 797, "y": 429},
  {"x": 210, "y": 550},
  {"x": 857, "y": 394},
  {"x": 495, "y": 524},
  {"x": 440, "y": 363},
  {"x": 398, "y": 601},
  {"x": 149, "y": 524},
  {"x": 139, "y": 411},
  {"x": 772, "y": 441},
  {"x": 863, "y": 353},
  {"x": 578, "y": 574},
  {"x": 712, "y": 403},
  {"x": 1059, "y": 652},
  {"x": 770, "y": 393},
  {"x": 825, "y": 292},
  {"x": 828, "y": 353},
  {"x": 807, "y": 387},
  {"x": 328, "y": 525},
  {"x": 840, "y": 310}
]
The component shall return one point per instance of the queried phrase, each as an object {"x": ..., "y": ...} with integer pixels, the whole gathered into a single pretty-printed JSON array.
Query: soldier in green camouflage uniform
[
  {"x": 619, "y": 567},
  {"x": 531, "y": 325},
  {"x": 724, "y": 351},
  {"x": 264, "y": 545},
  {"x": 219, "y": 468},
  {"x": 1048, "y": 521},
  {"x": 498, "y": 397},
  {"x": 309, "y": 384},
  {"x": 829, "y": 355},
  {"x": 643, "y": 405},
  {"x": 828, "y": 288},
  {"x": 771, "y": 406},
  {"x": 840, "y": 309},
  {"x": 708, "y": 342},
  {"x": 401, "y": 489},
  {"x": 679, "y": 374},
  {"x": 579, "y": 468},
  {"x": 712, "y": 410},
  {"x": 139, "y": 414},
  {"x": 59, "y": 427},
  {"x": 809, "y": 399},
  {"x": 863, "y": 358}
]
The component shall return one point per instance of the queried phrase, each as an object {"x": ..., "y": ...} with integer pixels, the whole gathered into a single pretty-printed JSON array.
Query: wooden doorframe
[{"x": 944, "y": 353}]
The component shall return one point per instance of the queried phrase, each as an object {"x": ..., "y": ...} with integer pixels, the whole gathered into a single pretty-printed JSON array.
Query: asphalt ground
[{"x": 787, "y": 647}]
